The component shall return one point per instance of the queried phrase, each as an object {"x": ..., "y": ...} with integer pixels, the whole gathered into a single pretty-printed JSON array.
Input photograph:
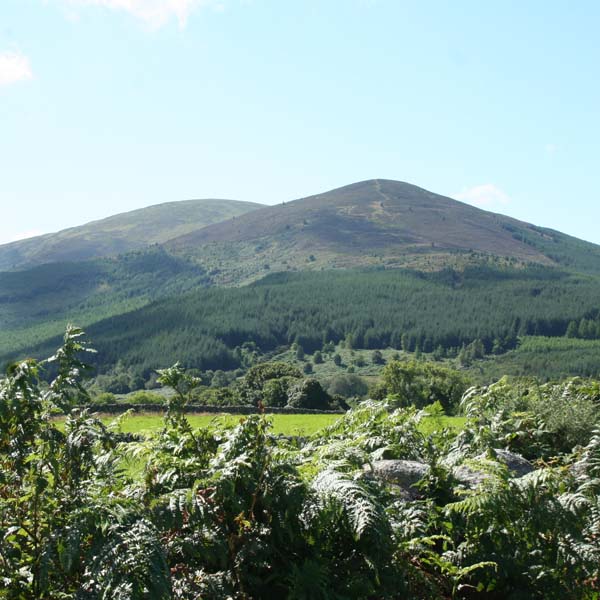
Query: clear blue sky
[{"x": 110, "y": 105}]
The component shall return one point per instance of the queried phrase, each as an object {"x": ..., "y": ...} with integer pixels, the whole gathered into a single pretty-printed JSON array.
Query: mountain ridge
[{"x": 120, "y": 233}]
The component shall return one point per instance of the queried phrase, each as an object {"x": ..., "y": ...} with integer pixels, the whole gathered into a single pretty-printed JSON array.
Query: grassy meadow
[{"x": 305, "y": 425}]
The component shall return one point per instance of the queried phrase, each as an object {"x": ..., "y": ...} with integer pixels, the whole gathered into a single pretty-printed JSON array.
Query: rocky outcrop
[{"x": 404, "y": 474}]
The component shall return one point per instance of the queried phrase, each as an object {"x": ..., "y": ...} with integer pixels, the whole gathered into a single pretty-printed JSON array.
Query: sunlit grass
[{"x": 305, "y": 425}]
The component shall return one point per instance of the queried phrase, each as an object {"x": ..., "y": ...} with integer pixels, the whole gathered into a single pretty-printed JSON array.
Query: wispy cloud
[
  {"x": 486, "y": 195},
  {"x": 154, "y": 13},
  {"x": 14, "y": 67}
]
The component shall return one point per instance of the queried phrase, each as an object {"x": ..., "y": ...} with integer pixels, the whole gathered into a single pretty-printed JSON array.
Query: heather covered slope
[
  {"x": 375, "y": 223},
  {"x": 120, "y": 233}
]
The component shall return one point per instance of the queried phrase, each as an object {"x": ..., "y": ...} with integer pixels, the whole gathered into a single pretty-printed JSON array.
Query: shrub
[
  {"x": 216, "y": 397},
  {"x": 360, "y": 361},
  {"x": 419, "y": 383},
  {"x": 250, "y": 389},
  {"x": 275, "y": 391},
  {"x": 308, "y": 394},
  {"x": 145, "y": 397},
  {"x": 220, "y": 379},
  {"x": 377, "y": 357},
  {"x": 347, "y": 386},
  {"x": 534, "y": 420}
]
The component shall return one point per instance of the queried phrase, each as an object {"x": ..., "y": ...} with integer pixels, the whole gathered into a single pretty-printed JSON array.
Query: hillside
[
  {"x": 410, "y": 264},
  {"x": 375, "y": 223},
  {"x": 38, "y": 303},
  {"x": 121, "y": 233},
  {"x": 372, "y": 308}
]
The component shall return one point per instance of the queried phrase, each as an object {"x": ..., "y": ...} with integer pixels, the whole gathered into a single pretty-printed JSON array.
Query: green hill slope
[
  {"x": 38, "y": 303},
  {"x": 375, "y": 223},
  {"x": 121, "y": 233},
  {"x": 373, "y": 309}
]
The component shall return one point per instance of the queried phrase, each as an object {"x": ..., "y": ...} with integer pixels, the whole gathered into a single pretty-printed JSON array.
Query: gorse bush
[{"x": 234, "y": 512}]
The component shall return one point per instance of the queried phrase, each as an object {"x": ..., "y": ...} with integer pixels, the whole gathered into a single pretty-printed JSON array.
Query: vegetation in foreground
[{"x": 239, "y": 513}]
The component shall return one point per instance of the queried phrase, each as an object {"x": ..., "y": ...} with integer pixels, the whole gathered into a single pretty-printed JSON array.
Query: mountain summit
[
  {"x": 373, "y": 223},
  {"x": 367, "y": 227}
]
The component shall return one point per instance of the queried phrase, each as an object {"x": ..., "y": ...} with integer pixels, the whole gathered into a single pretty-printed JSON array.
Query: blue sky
[{"x": 111, "y": 105}]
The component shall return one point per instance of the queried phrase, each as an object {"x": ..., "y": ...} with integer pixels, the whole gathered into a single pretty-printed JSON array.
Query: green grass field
[{"x": 282, "y": 424}]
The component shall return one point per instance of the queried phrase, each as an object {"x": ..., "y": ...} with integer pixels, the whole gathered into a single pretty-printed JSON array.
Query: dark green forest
[
  {"x": 37, "y": 303},
  {"x": 406, "y": 310}
]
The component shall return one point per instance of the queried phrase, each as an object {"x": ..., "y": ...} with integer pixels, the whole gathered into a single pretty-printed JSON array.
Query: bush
[
  {"x": 360, "y": 361},
  {"x": 308, "y": 394},
  {"x": 145, "y": 397},
  {"x": 347, "y": 386},
  {"x": 417, "y": 383},
  {"x": 104, "y": 398},
  {"x": 220, "y": 379},
  {"x": 275, "y": 391},
  {"x": 216, "y": 397},
  {"x": 534, "y": 420},
  {"x": 251, "y": 388},
  {"x": 377, "y": 358}
]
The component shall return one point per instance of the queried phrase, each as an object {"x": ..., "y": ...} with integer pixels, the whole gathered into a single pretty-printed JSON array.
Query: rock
[
  {"x": 404, "y": 474},
  {"x": 401, "y": 473},
  {"x": 467, "y": 476},
  {"x": 470, "y": 477},
  {"x": 517, "y": 465}
]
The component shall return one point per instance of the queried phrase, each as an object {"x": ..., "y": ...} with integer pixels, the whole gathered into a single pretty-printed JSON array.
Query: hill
[
  {"x": 207, "y": 328},
  {"x": 375, "y": 223},
  {"x": 121, "y": 233},
  {"x": 38, "y": 303},
  {"x": 384, "y": 262}
]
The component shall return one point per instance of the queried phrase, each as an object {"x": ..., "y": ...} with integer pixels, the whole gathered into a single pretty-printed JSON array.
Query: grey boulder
[
  {"x": 403, "y": 474},
  {"x": 470, "y": 476}
]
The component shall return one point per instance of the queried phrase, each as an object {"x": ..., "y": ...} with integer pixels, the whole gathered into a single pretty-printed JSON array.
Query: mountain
[
  {"x": 407, "y": 261},
  {"x": 121, "y": 233},
  {"x": 375, "y": 223}
]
